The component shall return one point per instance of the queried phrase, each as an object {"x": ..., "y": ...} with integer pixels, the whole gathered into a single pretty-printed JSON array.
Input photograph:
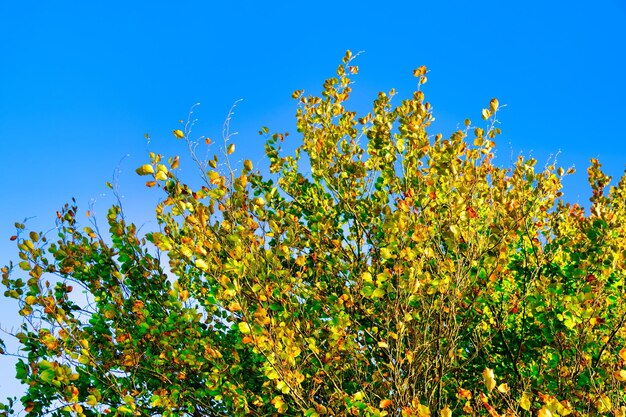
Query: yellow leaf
[
  {"x": 282, "y": 387},
  {"x": 231, "y": 148},
  {"x": 622, "y": 354},
  {"x": 244, "y": 327},
  {"x": 234, "y": 306},
  {"x": 279, "y": 404},
  {"x": 445, "y": 412},
  {"x": 563, "y": 408},
  {"x": 489, "y": 377},
  {"x": 423, "y": 411},
  {"x": 26, "y": 311},
  {"x": 201, "y": 264},
  {"x": 124, "y": 409},
  {"x": 178, "y": 133},
  {"x": 524, "y": 402},
  {"x": 486, "y": 114},
  {"x": 383, "y": 345},
  {"x": 603, "y": 404},
  {"x": 544, "y": 412},
  {"x": 378, "y": 293},
  {"x": 145, "y": 169},
  {"x": 247, "y": 164},
  {"x": 161, "y": 176},
  {"x": 400, "y": 145},
  {"x": 493, "y": 105},
  {"x": 385, "y": 253},
  {"x": 214, "y": 177},
  {"x": 420, "y": 71},
  {"x": 503, "y": 388}
]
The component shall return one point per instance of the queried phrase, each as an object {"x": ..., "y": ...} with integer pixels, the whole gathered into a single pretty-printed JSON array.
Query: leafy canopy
[{"x": 377, "y": 270}]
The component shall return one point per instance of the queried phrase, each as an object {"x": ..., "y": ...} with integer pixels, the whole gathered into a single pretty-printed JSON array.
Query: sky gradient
[{"x": 82, "y": 82}]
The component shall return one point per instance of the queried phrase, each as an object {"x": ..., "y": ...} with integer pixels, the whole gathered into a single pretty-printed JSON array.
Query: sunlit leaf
[
  {"x": 445, "y": 412},
  {"x": 489, "y": 379},
  {"x": 419, "y": 72},
  {"x": 145, "y": 169},
  {"x": 493, "y": 105},
  {"x": 244, "y": 327},
  {"x": 386, "y": 403}
]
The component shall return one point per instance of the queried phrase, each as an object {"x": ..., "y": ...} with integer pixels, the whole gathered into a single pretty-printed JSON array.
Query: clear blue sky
[{"x": 82, "y": 82}]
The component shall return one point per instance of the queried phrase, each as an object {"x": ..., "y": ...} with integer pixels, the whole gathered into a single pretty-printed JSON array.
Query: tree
[{"x": 376, "y": 271}]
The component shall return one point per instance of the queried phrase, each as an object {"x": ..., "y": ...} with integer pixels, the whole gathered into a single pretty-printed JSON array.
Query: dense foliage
[{"x": 376, "y": 271}]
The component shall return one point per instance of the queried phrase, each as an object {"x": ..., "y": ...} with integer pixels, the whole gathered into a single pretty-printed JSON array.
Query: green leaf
[
  {"x": 378, "y": 293},
  {"x": 47, "y": 375},
  {"x": 21, "y": 370}
]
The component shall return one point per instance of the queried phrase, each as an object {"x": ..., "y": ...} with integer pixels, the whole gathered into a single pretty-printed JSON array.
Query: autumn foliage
[{"x": 378, "y": 270}]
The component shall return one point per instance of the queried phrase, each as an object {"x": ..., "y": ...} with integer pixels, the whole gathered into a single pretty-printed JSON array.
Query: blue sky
[{"x": 82, "y": 82}]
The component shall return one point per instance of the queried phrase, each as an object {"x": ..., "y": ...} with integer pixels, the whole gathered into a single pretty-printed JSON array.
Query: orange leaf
[
  {"x": 385, "y": 403},
  {"x": 419, "y": 72},
  {"x": 463, "y": 393}
]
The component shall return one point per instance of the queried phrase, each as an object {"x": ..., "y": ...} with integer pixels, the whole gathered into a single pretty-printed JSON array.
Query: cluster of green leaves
[{"x": 376, "y": 271}]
